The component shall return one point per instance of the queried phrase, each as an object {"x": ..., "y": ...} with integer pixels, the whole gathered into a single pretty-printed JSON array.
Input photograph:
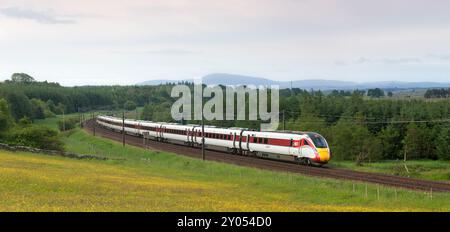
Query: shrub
[
  {"x": 68, "y": 123},
  {"x": 35, "y": 136},
  {"x": 129, "y": 105}
]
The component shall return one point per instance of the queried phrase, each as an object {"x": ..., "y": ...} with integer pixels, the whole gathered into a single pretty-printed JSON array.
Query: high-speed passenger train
[{"x": 302, "y": 147}]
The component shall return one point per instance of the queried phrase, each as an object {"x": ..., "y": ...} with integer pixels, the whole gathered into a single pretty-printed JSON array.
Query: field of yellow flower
[
  {"x": 33, "y": 182},
  {"x": 143, "y": 180}
]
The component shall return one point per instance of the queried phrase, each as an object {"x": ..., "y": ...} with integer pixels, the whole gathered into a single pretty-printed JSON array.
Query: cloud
[
  {"x": 160, "y": 52},
  {"x": 439, "y": 56},
  {"x": 401, "y": 60},
  {"x": 340, "y": 63},
  {"x": 405, "y": 60},
  {"x": 38, "y": 16}
]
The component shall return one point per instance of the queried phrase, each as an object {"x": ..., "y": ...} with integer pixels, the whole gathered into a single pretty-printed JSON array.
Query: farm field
[{"x": 159, "y": 181}]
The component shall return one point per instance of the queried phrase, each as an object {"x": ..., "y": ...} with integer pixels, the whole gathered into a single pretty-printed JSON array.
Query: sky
[{"x": 92, "y": 42}]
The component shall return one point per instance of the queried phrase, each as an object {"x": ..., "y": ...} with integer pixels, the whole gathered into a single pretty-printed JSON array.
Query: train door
[
  {"x": 194, "y": 136},
  {"x": 294, "y": 148},
  {"x": 248, "y": 142},
  {"x": 187, "y": 134},
  {"x": 161, "y": 132},
  {"x": 240, "y": 141}
]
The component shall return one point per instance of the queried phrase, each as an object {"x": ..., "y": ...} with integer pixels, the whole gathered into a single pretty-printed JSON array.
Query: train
[{"x": 307, "y": 148}]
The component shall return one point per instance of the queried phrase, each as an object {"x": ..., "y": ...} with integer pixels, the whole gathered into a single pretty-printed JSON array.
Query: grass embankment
[
  {"x": 158, "y": 181},
  {"x": 422, "y": 169}
]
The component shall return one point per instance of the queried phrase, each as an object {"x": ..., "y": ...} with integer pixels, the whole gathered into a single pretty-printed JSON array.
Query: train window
[
  {"x": 305, "y": 143},
  {"x": 266, "y": 141},
  {"x": 318, "y": 140},
  {"x": 291, "y": 143}
]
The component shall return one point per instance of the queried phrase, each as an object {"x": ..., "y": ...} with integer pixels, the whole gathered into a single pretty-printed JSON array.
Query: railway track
[{"x": 377, "y": 178}]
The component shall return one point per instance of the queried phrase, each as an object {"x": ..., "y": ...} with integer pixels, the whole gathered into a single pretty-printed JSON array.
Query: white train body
[{"x": 298, "y": 146}]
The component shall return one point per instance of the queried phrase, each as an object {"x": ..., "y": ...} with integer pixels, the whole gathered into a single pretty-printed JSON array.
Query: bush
[
  {"x": 129, "y": 105},
  {"x": 35, "y": 136},
  {"x": 68, "y": 123}
]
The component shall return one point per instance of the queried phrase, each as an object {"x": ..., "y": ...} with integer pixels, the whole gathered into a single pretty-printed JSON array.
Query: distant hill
[{"x": 317, "y": 84}]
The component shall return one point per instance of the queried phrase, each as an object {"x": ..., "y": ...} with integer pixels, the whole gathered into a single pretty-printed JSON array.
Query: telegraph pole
[
  {"x": 203, "y": 134},
  {"x": 95, "y": 121},
  {"x": 203, "y": 131},
  {"x": 64, "y": 121},
  {"x": 123, "y": 128},
  {"x": 284, "y": 119}
]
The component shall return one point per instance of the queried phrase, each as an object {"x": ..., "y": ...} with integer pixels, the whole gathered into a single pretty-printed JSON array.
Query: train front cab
[{"x": 322, "y": 153}]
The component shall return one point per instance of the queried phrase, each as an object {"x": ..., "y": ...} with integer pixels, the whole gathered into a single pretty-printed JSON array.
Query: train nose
[{"x": 324, "y": 154}]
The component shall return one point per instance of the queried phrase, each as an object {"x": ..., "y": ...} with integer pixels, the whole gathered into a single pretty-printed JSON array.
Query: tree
[
  {"x": 443, "y": 143},
  {"x": 22, "y": 78},
  {"x": 390, "y": 142},
  {"x": 129, "y": 105},
  {"x": 377, "y": 92},
  {"x": 25, "y": 121},
  {"x": 37, "y": 109},
  {"x": 418, "y": 143},
  {"x": 19, "y": 104},
  {"x": 6, "y": 119},
  {"x": 351, "y": 141}
]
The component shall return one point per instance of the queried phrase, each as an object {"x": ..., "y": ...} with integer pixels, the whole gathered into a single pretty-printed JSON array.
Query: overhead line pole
[
  {"x": 203, "y": 133},
  {"x": 123, "y": 128},
  {"x": 95, "y": 122}
]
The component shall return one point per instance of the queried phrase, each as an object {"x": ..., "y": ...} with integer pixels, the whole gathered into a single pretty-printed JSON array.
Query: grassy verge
[
  {"x": 423, "y": 169},
  {"x": 158, "y": 181}
]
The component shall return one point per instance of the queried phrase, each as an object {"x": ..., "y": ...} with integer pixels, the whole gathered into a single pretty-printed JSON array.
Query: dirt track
[{"x": 378, "y": 178}]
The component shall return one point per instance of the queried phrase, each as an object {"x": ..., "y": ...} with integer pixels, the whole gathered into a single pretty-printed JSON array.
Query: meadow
[{"x": 136, "y": 179}]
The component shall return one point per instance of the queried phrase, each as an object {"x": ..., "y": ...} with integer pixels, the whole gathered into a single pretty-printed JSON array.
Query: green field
[
  {"x": 141, "y": 180},
  {"x": 422, "y": 169}
]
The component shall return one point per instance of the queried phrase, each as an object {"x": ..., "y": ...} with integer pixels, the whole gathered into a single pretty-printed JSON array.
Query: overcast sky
[{"x": 125, "y": 42}]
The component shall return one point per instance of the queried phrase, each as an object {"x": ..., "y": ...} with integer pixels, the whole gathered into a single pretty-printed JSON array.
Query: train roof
[{"x": 212, "y": 128}]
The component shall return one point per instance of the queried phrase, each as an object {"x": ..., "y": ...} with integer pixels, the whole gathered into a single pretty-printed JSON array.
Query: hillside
[{"x": 317, "y": 84}]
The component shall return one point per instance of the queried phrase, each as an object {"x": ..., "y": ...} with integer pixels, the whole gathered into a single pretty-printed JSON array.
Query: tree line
[{"x": 437, "y": 93}]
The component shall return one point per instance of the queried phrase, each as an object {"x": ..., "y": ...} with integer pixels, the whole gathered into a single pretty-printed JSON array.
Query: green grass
[{"x": 423, "y": 169}]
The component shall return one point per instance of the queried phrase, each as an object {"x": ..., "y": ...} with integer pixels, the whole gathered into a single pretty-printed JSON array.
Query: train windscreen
[{"x": 318, "y": 140}]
